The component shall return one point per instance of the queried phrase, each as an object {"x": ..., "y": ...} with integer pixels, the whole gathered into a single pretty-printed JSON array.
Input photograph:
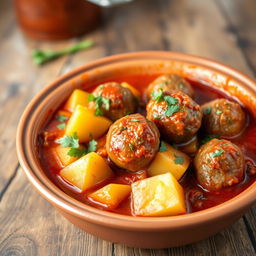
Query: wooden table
[{"x": 219, "y": 29}]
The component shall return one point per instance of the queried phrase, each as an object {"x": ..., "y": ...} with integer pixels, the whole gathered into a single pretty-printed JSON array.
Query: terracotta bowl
[{"x": 145, "y": 232}]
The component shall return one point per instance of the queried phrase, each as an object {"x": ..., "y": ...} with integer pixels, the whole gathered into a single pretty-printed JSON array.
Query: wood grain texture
[{"x": 28, "y": 224}]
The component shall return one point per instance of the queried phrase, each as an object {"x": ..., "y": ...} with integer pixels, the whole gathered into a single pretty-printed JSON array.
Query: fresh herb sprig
[
  {"x": 162, "y": 147},
  {"x": 172, "y": 103},
  {"x": 75, "y": 149},
  {"x": 217, "y": 152},
  {"x": 179, "y": 159},
  {"x": 99, "y": 102},
  {"x": 40, "y": 57}
]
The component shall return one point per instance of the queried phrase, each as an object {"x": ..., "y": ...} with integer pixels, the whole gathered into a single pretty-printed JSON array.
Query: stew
[{"x": 150, "y": 145}]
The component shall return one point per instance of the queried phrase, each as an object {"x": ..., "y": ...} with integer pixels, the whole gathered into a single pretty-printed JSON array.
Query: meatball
[
  {"x": 223, "y": 117},
  {"x": 132, "y": 142},
  {"x": 219, "y": 164},
  {"x": 176, "y": 115},
  {"x": 170, "y": 82},
  {"x": 114, "y": 101}
]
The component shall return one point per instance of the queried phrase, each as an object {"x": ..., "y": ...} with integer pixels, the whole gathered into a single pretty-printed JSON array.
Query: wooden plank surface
[{"x": 215, "y": 28}]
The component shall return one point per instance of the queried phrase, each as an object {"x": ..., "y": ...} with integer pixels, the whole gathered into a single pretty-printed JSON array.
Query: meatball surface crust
[
  {"x": 219, "y": 164},
  {"x": 223, "y": 117},
  {"x": 121, "y": 100},
  {"x": 177, "y": 122},
  {"x": 170, "y": 82},
  {"x": 132, "y": 142}
]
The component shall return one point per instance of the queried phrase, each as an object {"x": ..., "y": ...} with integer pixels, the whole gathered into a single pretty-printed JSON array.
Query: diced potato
[
  {"x": 191, "y": 147},
  {"x": 171, "y": 160},
  {"x": 78, "y": 97},
  {"x": 62, "y": 154},
  {"x": 86, "y": 125},
  {"x": 160, "y": 195},
  {"x": 87, "y": 171},
  {"x": 134, "y": 91},
  {"x": 111, "y": 195}
]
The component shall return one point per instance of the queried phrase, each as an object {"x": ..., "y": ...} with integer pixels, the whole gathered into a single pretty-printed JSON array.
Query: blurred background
[{"x": 223, "y": 30}]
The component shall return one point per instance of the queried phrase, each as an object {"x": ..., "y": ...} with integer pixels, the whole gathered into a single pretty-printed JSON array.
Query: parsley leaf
[
  {"x": 92, "y": 146},
  {"x": 155, "y": 116},
  {"x": 131, "y": 146},
  {"x": 170, "y": 100},
  {"x": 106, "y": 103},
  {"x": 91, "y": 97},
  {"x": 217, "y": 152},
  {"x": 61, "y": 118},
  {"x": 218, "y": 111},
  {"x": 77, "y": 152},
  {"x": 158, "y": 95},
  {"x": 99, "y": 102},
  {"x": 135, "y": 120},
  {"x": 178, "y": 159},
  {"x": 123, "y": 128},
  {"x": 69, "y": 141},
  {"x": 98, "y": 112},
  {"x": 61, "y": 126},
  {"x": 207, "y": 111},
  {"x": 163, "y": 147},
  {"x": 172, "y": 110}
]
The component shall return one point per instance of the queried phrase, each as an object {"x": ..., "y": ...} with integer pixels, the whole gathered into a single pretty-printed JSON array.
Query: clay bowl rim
[{"x": 72, "y": 206}]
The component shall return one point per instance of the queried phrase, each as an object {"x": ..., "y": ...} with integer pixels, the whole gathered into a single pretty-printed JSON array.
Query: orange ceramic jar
[{"x": 56, "y": 19}]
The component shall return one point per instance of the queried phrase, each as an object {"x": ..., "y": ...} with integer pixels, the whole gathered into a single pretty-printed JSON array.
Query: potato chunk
[
  {"x": 87, "y": 171},
  {"x": 160, "y": 195},
  {"x": 111, "y": 195},
  {"x": 171, "y": 160},
  {"x": 86, "y": 125},
  {"x": 134, "y": 91},
  {"x": 78, "y": 97},
  {"x": 62, "y": 154}
]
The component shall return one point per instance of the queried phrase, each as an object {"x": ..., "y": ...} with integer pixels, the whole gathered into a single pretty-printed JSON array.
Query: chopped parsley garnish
[
  {"x": 123, "y": 128},
  {"x": 178, "y": 159},
  {"x": 158, "y": 95},
  {"x": 218, "y": 111},
  {"x": 99, "y": 102},
  {"x": 75, "y": 149},
  {"x": 172, "y": 103},
  {"x": 210, "y": 137},
  {"x": 91, "y": 97},
  {"x": 61, "y": 126},
  {"x": 163, "y": 147},
  {"x": 155, "y": 116},
  {"x": 172, "y": 109},
  {"x": 131, "y": 146},
  {"x": 135, "y": 120},
  {"x": 77, "y": 152},
  {"x": 61, "y": 118},
  {"x": 92, "y": 146},
  {"x": 69, "y": 141},
  {"x": 217, "y": 152},
  {"x": 170, "y": 100},
  {"x": 207, "y": 111}
]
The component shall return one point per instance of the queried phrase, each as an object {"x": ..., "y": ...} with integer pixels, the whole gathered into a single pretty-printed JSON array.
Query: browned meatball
[
  {"x": 176, "y": 115},
  {"x": 219, "y": 163},
  {"x": 132, "y": 142},
  {"x": 114, "y": 101},
  {"x": 223, "y": 117},
  {"x": 170, "y": 82}
]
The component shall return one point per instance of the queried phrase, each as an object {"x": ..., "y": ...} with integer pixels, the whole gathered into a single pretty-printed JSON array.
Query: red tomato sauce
[{"x": 196, "y": 197}]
